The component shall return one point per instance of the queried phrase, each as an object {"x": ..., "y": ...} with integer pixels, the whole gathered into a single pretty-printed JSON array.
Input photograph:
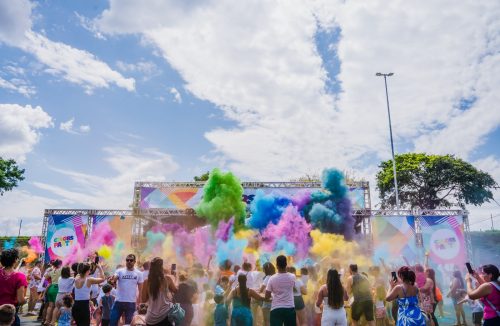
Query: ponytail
[{"x": 245, "y": 299}]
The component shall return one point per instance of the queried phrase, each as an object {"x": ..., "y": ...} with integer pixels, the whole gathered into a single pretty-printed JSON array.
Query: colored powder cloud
[
  {"x": 293, "y": 228},
  {"x": 266, "y": 208},
  {"x": 36, "y": 245},
  {"x": 335, "y": 247},
  {"x": 224, "y": 230},
  {"x": 10, "y": 243},
  {"x": 31, "y": 255},
  {"x": 105, "y": 252},
  {"x": 222, "y": 199},
  {"x": 231, "y": 250}
]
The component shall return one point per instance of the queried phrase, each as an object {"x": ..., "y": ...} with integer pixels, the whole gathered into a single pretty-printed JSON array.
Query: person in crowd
[
  {"x": 140, "y": 318},
  {"x": 221, "y": 313},
  {"x": 105, "y": 304},
  {"x": 331, "y": 297},
  {"x": 95, "y": 289},
  {"x": 35, "y": 277},
  {"x": 186, "y": 294},
  {"x": 63, "y": 314},
  {"x": 429, "y": 295},
  {"x": 280, "y": 288},
  {"x": 477, "y": 310},
  {"x": 7, "y": 314},
  {"x": 83, "y": 283},
  {"x": 65, "y": 284},
  {"x": 456, "y": 293},
  {"x": 406, "y": 293},
  {"x": 129, "y": 285},
  {"x": 53, "y": 273},
  {"x": 240, "y": 296},
  {"x": 381, "y": 308},
  {"x": 13, "y": 284},
  {"x": 269, "y": 271},
  {"x": 359, "y": 286},
  {"x": 145, "y": 275},
  {"x": 488, "y": 292},
  {"x": 44, "y": 283},
  {"x": 159, "y": 294},
  {"x": 299, "y": 290}
]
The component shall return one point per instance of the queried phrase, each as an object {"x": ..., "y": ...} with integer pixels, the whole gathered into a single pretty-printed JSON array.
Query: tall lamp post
[{"x": 378, "y": 74}]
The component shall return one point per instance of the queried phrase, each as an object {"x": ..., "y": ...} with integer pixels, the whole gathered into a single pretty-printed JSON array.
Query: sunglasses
[{"x": 130, "y": 260}]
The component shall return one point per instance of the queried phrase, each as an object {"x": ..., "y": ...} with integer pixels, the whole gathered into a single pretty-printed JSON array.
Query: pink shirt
[
  {"x": 281, "y": 286},
  {"x": 9, "y": 285},
  {"x": 420, "y": 279},
  {"x": 494, "y": 298}
]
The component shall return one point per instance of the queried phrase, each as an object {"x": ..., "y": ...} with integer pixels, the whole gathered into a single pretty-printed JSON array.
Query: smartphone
[
  {"x": 469, "y": 268},
  {"x": 394, "y": 276},
  {"x": 173, "y": 268}
]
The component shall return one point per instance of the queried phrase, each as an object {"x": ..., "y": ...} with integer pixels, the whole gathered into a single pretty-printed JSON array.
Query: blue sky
[{"x": 95, "y": 94}]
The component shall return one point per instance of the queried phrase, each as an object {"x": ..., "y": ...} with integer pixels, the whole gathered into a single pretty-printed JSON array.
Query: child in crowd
[
  {"x": 220, "y": 313},
  {"x": 64, "y": 312},
  {"x": 7, "y": 314},
  {"x": 140, "y": 318},
  {"x": 477, "y": 310},
  {"x": 381, "y": 307},
  {"x": 106, "y": 303}
]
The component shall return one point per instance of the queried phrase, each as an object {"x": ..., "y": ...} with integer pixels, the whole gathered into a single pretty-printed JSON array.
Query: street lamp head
[
  {"x": 378, "y": 74},
  {"x": 390, "y": 74}
]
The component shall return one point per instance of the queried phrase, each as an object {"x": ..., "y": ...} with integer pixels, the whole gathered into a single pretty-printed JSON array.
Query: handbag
[{"x": 176, "y": 314}]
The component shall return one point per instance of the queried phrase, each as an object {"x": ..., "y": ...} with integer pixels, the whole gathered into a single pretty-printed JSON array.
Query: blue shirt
[{"x": 220, "y": 315}]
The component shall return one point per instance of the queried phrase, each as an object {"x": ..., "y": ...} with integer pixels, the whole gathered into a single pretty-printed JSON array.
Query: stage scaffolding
[
  {"x": 90, "y": 213},
  {"x": 168, "y": 215}
]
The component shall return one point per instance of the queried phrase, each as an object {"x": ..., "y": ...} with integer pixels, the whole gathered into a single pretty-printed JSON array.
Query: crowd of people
[{"x": 274, "y": 293}]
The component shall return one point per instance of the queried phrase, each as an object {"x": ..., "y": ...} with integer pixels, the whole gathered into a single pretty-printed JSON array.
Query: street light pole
[{"x": 378, "y": 74}]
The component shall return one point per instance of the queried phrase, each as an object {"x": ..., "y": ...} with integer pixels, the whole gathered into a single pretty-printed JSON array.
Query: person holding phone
[
  {"x": 488, "y": 292},
  {"x": 406, "y": 294}
]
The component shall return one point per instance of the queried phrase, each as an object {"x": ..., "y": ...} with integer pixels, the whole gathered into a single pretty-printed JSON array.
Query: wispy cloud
[
  {"x": 176, "y": 94},
  {"x": 74, "y": 65},
  {"x": 68, "y": 127}
]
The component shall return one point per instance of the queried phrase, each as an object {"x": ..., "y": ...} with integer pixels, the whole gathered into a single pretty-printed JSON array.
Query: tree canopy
[
  {"x": 10, "y": 175},
  {"x": 433, "y": 181},
  {"x": 203, "y": 177}
]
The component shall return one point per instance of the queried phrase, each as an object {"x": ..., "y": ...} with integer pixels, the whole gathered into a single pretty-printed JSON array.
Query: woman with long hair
[
  {"x": 332, "y": 296},
  {"x": 242, "y": 315},
  {"x": 269, "y": 270},
  {"x": 159, "y": 294},
  {"x": 457, "y": 292},
  {"x": 406, "y": 293},
  {"x": 83, "y": 283},
  {"x": 430, "y": 288}
]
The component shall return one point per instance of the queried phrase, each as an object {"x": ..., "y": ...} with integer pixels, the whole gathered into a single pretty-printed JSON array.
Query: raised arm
[
  {"x": 482, "y": 291},
  {"x": 393, "y": 292}
]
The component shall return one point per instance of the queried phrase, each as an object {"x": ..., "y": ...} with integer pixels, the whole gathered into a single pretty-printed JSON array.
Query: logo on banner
[
  {"x": 62, "y": 241},
  {"x": 445, "y": 244}
]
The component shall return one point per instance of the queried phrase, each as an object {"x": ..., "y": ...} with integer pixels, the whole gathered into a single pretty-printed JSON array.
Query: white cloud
[
  {"x": 258, "y": 63},
  {"x": 74, "y": 65},
  {"x": 146, "y": 68},
  {"x": 84, "y": 128},
  {"x": 89, "y": 25},
  {"x": 18, "y": 85},
  {"x": 114, "y": 192},
  {"x": 67, "y": 126},
  {"x": 20, "y": 129},
  {"x": 176, "y": 94},
  {"x": 21, "y": 204}
]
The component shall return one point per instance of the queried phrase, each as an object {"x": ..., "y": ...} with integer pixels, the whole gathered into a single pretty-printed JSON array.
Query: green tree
[
  {"x": 433, "y": 181},
  {"x": 10, "y": 175},
  {"x": 203, "y": 177}
]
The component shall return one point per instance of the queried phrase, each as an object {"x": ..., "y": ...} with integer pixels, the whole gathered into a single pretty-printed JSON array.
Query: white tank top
[{"x": 82, "y": 293}]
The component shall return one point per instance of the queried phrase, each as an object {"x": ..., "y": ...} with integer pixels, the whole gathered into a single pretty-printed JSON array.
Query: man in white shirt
[
  {"x": 129, "y": 285},
  {"x": 280, "y": 287}
]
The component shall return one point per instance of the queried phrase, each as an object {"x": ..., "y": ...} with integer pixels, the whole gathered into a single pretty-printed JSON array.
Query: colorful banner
[
  {"x": 184, "y": 197},
  {"x": 64, "y": 232},
  {"x": 393, "y": 239},
  {"x": 443, "y": 239},
  {"x": 120, "y": 224}
]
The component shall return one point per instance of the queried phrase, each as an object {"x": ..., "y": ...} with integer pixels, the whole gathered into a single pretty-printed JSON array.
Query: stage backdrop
[
  {"x": 443, "y": 238},
  {"x": 183, "y": 198},
  {"x": 120, "y": 224},
  {"x": 64, "y": 232},
  {"x": 394, "y": 238}
]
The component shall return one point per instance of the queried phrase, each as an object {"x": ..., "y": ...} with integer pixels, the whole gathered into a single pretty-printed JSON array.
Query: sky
[{"x": 95, "y": 94}]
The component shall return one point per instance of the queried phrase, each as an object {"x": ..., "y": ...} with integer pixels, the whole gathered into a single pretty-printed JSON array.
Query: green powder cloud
[{"x": 222, "y": 199}]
